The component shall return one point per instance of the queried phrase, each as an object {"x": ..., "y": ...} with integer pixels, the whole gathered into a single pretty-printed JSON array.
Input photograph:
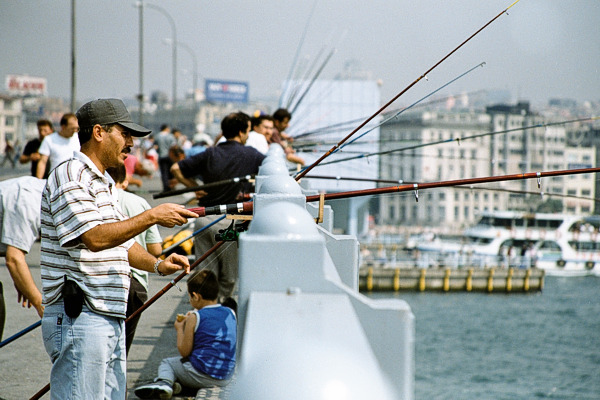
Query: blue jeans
[{"x": 87, "y": 354}]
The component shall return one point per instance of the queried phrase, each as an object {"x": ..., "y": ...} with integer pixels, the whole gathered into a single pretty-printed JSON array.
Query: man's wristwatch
[{"x": 156, "y": 267}]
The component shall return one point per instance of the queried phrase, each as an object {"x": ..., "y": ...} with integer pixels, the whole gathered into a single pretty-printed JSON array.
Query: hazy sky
[{"x": 542, "y": 49}]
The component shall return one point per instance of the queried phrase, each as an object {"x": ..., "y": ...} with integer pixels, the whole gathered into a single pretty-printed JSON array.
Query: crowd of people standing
[{"x": 94, "y": 274}]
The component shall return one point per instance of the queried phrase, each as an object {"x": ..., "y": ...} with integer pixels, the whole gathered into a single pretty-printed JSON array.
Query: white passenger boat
[{"x": 562, "y": 245}]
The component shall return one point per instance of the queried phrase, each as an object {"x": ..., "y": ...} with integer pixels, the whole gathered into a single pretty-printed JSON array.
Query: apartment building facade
[{"x": 502, "y": 140}]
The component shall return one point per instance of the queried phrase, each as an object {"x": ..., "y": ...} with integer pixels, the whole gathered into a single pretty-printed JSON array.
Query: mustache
[{"x": 126, "y": 150}]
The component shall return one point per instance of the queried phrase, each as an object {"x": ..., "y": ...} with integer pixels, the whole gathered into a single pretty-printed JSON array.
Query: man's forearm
[
  {"x": 140, "y": 258},
  {"x": 188, "y": 182},
  {"x": 21, "y": 276},
  {"x": 109, "y": 235},
  {"x": 41, "y": 167}
]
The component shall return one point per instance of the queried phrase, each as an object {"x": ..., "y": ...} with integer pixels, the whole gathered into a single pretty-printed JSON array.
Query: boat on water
[{"x": 560, "y": 244}]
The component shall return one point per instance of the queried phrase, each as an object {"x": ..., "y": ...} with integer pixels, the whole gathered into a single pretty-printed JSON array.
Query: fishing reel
[{"x": 230, "y": 234}]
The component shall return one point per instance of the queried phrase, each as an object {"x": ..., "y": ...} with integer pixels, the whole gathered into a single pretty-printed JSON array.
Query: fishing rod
[
  {"x": 211, "y": 185},
  {"x": 424, "y": 75},
  {"x": 401, "y": 181},
  {"x": 315, "y": 77},
  {"x": 341, "y": 126},
  {"x": 247, "y": 207},
  {"x": 409, "y": 107},
  {"x": 194, "y": 234},
  {"x": 398, "y": 112},
  {"x": 317, "y": 74},
  {"x": 295, "y": 81},
  {"x": 20, "y": 333},
  {"x": 174, "y": 281},
  {"x": 458, "y": 139},
  {"x": 468, "y": 181},
  {"x": 345, "y": 178},
  {"x": 148, "y": 303},
  {"x": 298, "y": 81},
  {"x": 293, "y": 66}
]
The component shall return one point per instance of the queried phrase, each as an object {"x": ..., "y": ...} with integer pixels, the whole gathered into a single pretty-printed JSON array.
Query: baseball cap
[{"x": 106, "y": 112}]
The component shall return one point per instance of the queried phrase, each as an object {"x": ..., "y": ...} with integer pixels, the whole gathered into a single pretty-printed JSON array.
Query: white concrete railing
[{"x": 304, "y": 330}]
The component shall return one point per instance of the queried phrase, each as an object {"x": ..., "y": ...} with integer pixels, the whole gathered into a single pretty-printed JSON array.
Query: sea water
[{"x": 543, "y": 345}]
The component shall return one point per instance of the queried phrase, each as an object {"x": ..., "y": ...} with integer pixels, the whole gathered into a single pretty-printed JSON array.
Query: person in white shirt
[
  {"x": 59, "y": 146},
  {"x": 262, "y": 129}
]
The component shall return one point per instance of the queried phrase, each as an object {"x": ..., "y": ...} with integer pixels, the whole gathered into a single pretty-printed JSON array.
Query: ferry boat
[{"x": 561, "y": 244}]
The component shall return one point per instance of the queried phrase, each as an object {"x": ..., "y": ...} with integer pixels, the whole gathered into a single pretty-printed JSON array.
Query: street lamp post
[
  {"x": 73, "y": 60},
  {"x": 140, "y": 96},
  {"x": 195, "y": 70},
  {"x": 174, "y": 47}
]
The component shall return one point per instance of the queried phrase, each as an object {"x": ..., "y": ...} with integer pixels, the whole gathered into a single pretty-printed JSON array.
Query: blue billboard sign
[{"x": 226, "y": 91}]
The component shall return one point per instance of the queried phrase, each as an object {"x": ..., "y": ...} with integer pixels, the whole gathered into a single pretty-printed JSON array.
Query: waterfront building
[
  {"x": 454, "y": 158},
  {"x": 11, "y": 121},
  {"x": 515, "y": 149}
]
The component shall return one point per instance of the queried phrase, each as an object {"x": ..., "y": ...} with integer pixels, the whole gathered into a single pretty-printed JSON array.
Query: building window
[{"x": 9, "y": 121}]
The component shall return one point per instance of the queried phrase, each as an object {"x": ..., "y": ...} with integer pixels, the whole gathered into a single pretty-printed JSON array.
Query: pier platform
[
  {"x": 24, "y": 363},
  {"x": 491, "y": 280}
]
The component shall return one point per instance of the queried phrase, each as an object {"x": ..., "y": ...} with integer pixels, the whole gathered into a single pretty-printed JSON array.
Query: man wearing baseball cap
[{"x": 87, "y": 248}]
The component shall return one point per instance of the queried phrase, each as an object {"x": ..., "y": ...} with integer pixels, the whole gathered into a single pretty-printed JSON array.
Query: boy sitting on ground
[{"x": 206, "y": 340}]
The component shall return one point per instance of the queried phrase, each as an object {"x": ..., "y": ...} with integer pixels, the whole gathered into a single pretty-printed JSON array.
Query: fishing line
[{"x": 293, "y": 66}]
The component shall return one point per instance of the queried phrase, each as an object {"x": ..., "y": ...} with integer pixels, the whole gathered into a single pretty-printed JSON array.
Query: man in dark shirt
[
  {"x": 30, "y": 152},
  {"x": 227, "y": 160}
]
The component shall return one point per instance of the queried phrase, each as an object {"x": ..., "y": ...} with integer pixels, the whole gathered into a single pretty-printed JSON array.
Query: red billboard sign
[{"x": 25, "y": 85}]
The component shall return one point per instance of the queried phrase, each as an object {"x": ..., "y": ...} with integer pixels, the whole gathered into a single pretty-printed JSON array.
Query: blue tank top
[{"x": 214, "y": 342}]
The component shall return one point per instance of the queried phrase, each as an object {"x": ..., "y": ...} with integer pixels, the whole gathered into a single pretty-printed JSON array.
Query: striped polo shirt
[{"x": 77, "y": 198}]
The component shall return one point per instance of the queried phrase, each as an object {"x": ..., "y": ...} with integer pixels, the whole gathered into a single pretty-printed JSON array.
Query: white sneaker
[{"x": 156, "y": 390}]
